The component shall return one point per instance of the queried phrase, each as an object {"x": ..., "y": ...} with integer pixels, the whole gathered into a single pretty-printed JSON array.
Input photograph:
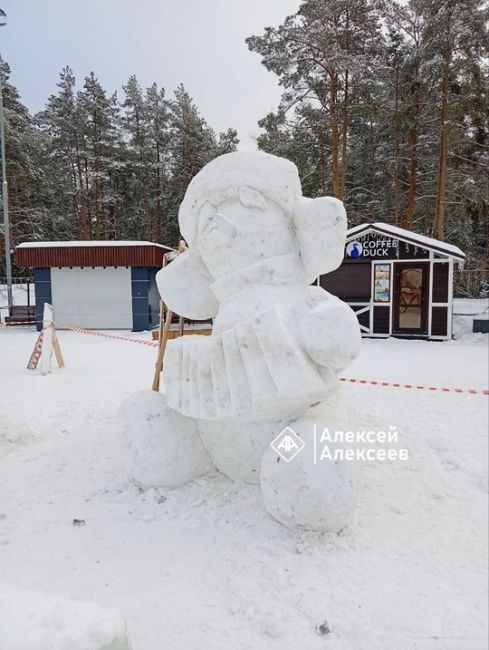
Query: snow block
[
  {"x": 165, "y": 448},
  {"x": 304, "y": 494},
  {"x": 31, "y": 620}
]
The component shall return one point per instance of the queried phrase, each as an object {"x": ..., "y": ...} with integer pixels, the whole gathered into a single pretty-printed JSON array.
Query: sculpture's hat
[{"x": 221, "y": 179}]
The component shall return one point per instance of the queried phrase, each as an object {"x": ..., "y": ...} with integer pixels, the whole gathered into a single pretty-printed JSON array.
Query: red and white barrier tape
[
  {"x": 444, "y": 389},
  {"x": 36, "y": 353},
  {"x": 83, "y": 330},
  {"x": 350, "y": 380}
]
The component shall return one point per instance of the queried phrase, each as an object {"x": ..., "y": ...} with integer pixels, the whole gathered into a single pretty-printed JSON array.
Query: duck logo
[{"x": 354, "y": 249}]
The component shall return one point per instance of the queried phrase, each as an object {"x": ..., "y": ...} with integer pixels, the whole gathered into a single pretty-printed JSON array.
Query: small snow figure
[{"x": 255, "y": 247}]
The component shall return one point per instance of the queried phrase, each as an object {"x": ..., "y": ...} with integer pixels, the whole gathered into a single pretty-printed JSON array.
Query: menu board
[{"x": 382, "y": 276}]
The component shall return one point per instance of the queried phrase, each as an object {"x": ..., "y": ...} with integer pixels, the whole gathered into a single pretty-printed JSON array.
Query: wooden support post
[
  {"x": 165, "y": 328},
  {"x": 162, "y": 338},
  {"x": 161, "y": 349},
  {"x": 182, "y": 247},
  {"x": 162, "y": 320}
]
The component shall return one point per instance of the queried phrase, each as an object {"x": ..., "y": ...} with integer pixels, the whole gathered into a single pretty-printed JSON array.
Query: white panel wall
[{"x": 98, "y": 298}]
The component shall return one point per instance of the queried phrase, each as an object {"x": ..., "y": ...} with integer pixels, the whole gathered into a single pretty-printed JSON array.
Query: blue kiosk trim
[
  {"x": 143, "y": 317},
  {"x": 42, "y": 289}
]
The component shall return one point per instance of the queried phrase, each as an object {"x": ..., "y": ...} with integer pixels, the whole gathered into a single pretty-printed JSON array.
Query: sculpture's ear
[
  {"x": 320, "y": 226},
  {"x": 184, "y": 286}
]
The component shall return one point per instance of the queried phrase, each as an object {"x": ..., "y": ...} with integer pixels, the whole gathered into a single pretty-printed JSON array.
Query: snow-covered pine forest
[
  {"x": 384, "y": 106},
  {"x": 100, "y": 165}
]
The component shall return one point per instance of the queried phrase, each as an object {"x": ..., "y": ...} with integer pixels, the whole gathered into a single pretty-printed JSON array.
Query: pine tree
[
  {"x": 26, "y": 177},
  {"x": 456, "y": 41},
  {"x": 193, "y": 145},
  {"x": 135, "y": 130},
  {"x": 61, "y": 126},
  {"x": 100, "y": 136},
  {"x": 321, "y": 54},
  {"x": 87, "y": 167},
  {"x": 159, "y": 155}
]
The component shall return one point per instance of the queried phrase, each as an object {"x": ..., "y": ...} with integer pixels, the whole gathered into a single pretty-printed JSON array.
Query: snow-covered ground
[{"x": 205, "y": 566}]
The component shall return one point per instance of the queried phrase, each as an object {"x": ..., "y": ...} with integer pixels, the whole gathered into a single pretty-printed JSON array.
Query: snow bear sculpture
[{"x": 255, "y": 247}]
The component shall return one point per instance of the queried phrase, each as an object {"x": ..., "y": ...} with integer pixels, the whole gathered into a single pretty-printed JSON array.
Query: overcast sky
[{"x": 197, "y": 42}]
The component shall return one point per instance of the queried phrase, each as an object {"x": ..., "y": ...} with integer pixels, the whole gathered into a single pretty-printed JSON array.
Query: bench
[{"x": 21, "y": 315}]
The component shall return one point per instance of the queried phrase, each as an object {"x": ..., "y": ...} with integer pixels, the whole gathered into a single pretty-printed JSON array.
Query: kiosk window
[{"x": 382, "y": 282}]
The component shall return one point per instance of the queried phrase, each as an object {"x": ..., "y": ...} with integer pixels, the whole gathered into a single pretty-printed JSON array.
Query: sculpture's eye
[
  {"x": 223, "y": 225},
  {"x": 211, "y": 221}
]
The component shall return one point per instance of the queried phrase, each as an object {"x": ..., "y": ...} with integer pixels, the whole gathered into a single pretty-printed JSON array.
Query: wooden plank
[
  {"x": 162, "y": 338},
  {"x": 188, "y": 331},
  {"x": 57, "y": 351},
  {"x": 161, "y": 352},
  {"x": 163, "y": 332}
]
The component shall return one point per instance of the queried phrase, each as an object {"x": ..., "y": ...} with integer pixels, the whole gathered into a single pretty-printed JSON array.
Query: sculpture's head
[{"x": 240, "y": 209}]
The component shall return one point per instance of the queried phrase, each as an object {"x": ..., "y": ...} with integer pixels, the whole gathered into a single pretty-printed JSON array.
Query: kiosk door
[{"x": 410, "y": 314}]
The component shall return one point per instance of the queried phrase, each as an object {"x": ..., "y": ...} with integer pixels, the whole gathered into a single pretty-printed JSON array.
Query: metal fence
[{"x": 17, "y": 280}]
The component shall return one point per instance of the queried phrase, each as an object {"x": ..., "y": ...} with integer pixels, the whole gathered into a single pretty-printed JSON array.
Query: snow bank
[
  {"x": 30, "y": 620},
  {"x": 465, "y": 311}
]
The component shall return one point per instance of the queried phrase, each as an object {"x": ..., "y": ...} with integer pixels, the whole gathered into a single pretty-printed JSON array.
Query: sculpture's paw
[
  {"x": 330, "y": 333},
  {"x": 165, "y": 449},
  {"x": 317, "y": 496}
]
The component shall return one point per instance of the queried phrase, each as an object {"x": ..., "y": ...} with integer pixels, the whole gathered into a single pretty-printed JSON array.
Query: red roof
[{"x": 90, "y": 253}]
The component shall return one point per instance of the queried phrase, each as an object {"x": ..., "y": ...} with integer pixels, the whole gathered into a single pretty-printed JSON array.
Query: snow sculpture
[{"x": 255, "y": 246}]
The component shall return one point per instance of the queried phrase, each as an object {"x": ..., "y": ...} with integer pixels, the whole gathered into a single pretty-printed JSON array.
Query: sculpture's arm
[{"x": 330, "y": 333}]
